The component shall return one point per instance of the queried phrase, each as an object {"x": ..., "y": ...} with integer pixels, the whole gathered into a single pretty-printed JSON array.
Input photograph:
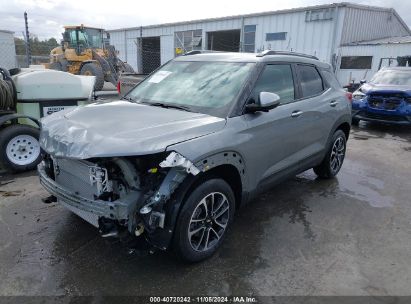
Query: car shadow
[{"x": 110, "y": 266}]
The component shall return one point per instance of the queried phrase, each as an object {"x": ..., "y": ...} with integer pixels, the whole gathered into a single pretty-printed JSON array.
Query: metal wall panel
[
  {"x": 167, "y": 48},
  {"x": 320, "y": 38},
  {"x": 118, "y": 40},
  {"x": 307, "y": 37},
  {"x": 377, "y": 51},
  {"x": 314, "y": 38},
  {"x": 369, "y": 24}
]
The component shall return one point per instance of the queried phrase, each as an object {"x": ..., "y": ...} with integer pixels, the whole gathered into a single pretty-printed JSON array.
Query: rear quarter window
[
  {"x": 330, "y": 79},
  {"x": 310, "y": 80}
]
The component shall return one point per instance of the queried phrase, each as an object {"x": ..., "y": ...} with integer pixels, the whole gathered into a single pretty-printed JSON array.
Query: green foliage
[{"x": 37, "y": 47}]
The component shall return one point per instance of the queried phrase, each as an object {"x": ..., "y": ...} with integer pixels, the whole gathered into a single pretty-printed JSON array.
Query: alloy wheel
[
  {"x": 209, "y": 221},
  {"x": 337, "y": 154}
]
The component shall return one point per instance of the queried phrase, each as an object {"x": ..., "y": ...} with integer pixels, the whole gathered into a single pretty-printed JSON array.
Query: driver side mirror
[{"x": 266, "y": 102}]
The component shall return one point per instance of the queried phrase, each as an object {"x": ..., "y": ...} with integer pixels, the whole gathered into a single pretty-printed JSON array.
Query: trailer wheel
[
  {"x": 20, "y": 148},
  {"x": 93, "y": 69}
]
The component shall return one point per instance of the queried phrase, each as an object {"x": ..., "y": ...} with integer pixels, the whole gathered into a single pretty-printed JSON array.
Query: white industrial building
[
  {"x": 341, "y": 34},
  {"x": 7, "y": 50}
]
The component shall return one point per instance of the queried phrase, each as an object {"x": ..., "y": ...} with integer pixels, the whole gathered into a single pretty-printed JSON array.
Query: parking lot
[{"x": 346, "y": 236}]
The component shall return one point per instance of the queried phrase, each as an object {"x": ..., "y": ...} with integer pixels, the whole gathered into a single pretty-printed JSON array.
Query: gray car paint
[{"x": 268, "y": 142}]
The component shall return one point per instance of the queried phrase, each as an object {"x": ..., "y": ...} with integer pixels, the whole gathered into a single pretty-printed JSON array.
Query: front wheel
[
  {"x": 204, "y": 220},
  {"x": 56, "y": 66},
  {"x": 94, "y": 69},
  {"x": 20, "y": 148},
  {"x": 334, "y": 158}
]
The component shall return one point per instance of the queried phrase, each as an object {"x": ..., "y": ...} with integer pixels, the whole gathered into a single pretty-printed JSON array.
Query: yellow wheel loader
[{"x": 85, "y": 51}]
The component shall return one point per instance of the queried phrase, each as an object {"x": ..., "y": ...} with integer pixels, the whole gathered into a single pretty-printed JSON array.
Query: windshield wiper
[
  {"x": 128, "y": 98},
  {"x": 167, "y": 106}
]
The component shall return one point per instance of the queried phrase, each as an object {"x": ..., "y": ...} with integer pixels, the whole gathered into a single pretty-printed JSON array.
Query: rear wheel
[
  {"x": 20, "y": 148},
  {"x": 204, "y": 220},
  {"x": 93, "y": 69},
  {"x": 334, "y": 158}
]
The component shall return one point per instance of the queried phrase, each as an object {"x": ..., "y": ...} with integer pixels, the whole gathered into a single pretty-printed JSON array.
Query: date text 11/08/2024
[{"x": 210, "y": 299}]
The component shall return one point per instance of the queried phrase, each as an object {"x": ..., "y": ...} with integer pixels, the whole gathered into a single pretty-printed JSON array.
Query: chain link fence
[
  {"x": 13, "y": 53},
  {"x": 7, "y": 54},
  {"x": 151, "y": 52},
  {"x": 39, "y": 51}
]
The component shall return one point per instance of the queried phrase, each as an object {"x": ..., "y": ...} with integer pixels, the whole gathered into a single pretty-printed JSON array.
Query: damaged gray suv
[{"x": 193, "y": 142}]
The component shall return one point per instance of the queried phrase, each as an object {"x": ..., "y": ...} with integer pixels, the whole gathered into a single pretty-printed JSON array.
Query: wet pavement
[{"x": 346, "y": 236}]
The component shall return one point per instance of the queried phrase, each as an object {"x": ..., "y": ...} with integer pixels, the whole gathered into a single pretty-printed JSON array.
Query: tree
[{"x": 38, "y": 47}]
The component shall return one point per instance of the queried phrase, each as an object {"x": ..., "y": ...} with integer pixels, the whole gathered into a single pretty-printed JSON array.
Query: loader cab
[{"x": 81, "y": 38}]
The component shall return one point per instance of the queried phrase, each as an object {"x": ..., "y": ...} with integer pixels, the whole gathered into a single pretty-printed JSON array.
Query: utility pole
[
  {"x": 28, "y": 50},
  {"x": 140, "y": 52}
]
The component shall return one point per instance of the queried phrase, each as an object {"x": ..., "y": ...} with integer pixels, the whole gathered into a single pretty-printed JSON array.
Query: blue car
[{"x": 386, "y": 98}]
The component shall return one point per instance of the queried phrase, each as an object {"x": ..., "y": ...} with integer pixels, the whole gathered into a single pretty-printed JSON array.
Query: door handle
[
  {"x": 333, "y": 103},
  {"x": 296, "y": 113}
]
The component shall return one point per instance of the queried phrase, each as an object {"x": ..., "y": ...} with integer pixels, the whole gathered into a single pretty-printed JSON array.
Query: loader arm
[{"x": 109, "y": 70}]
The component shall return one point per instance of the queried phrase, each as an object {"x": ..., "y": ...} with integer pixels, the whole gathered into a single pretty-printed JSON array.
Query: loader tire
[
  {"x": 93, "y": 69},
  {"x": 56, "y": 66}
]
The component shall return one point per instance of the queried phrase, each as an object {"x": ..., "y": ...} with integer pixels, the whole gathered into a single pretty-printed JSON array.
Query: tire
[
  {"x": 56, "y": 66},
  {"x": 355, "y": 121},
  {"x": 64, "y": 65},
  {"x": 94, "y": 70},
  {"x": 19, "y": 148},
  {"x": 193, "y": 218},
  {"x": 332, "y": 163}
]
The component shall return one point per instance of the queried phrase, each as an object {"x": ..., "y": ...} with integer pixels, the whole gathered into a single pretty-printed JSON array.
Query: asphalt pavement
[{"x": 345, "y": 236}]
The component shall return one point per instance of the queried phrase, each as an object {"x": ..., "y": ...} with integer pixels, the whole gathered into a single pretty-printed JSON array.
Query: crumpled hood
[
  {"x": 121, "y": 128},
  {"x": 368, "y": 88}
]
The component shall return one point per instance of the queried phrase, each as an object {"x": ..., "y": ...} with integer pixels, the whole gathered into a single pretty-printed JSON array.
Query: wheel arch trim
[{"x": 9, "y": 117}]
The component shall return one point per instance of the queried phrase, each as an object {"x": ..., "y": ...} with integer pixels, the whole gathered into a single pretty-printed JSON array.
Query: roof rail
[
  {"x": 270, "y": 52},
  {"x": 195, "y": 52}
]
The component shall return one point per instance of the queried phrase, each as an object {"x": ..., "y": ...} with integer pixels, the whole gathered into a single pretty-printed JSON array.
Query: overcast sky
[{"x": 47, "y": 17}]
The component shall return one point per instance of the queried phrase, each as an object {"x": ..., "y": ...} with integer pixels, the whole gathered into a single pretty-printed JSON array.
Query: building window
[
  {"x": 275, "y": 36},
  {"x": 319, "y": 14},
  {"x": 249, "y": 38},
  {"x": 187, "y": 41},
  {"x": 356, "y": 62}
]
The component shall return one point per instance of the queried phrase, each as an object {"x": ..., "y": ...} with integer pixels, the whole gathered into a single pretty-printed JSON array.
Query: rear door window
[
  {"x": 276, "y": 78},
  {"x": 310, "y": 80}
]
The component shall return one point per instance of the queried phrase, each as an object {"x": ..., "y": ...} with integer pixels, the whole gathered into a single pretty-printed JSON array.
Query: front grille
[
  {"x": 385, "y": 101},
  {"x": 383, "y": 117}
]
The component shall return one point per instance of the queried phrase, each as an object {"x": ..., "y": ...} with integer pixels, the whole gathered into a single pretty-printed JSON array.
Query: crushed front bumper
[
  {"x": 381, "y": 117},
  {"x": 90, "y": 210}
]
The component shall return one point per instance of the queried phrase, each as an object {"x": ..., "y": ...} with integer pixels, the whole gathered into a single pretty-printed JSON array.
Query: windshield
[
  {"x": 86, "y": 37},
  {"x": 93, "y": 37},
  {"x": 394, "y": 77},
  {"x": 205, "y": 87}
]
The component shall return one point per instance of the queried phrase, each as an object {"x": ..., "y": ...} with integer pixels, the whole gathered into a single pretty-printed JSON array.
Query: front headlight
[{"x": 357, "y": 95}]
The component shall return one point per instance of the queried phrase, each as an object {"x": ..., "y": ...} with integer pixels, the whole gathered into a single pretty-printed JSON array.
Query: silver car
[{"x": 193, "y": 142}]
